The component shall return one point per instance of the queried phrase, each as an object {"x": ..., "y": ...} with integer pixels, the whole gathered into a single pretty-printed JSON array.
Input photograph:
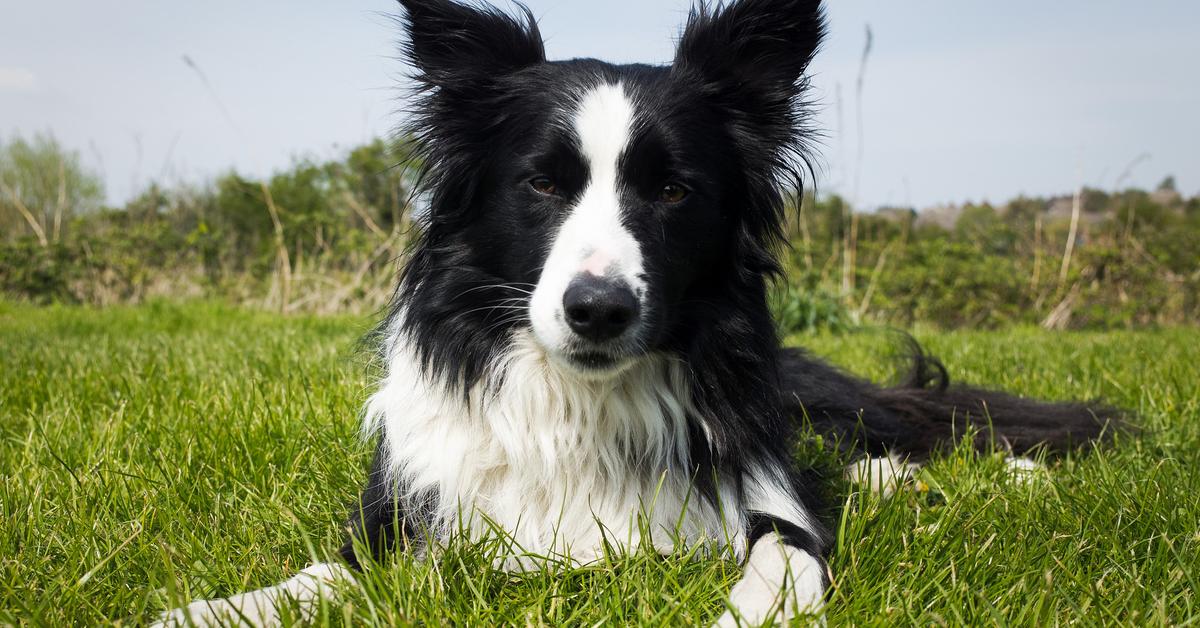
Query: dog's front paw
[
  {"x": 729, "y": 620},
  {"x": 213, "y": 613},
  {"x": 781, "y": 586},
  {"x": 260, "y": 608}
]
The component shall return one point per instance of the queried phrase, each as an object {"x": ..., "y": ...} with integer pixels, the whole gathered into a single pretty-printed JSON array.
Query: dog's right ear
[{"x": 450, "y": 42}]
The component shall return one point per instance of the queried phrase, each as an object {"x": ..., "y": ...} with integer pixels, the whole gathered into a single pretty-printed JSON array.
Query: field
[{"x": 153, "y": 454}]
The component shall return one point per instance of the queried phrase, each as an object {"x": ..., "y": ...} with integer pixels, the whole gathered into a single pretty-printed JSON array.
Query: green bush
[
  {"x": 953, "y": 284},
  {"x": 40, "y": 274},
  {"x": 800, "y": 308},
  {"x": 325, "y": 236}
]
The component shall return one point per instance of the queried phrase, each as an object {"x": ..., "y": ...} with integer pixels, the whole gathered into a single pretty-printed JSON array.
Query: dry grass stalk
[
  {"x": 1060, "y": 316},
  {"x": 879, "y": 264},
  {"x": 26, "y": 214},
  {"x": 61, "y": 206},
  {"x": 850, "y": 256},
  {"x": 357, "y": 208},
  {"x": 1076, "y": 207},
  {"x": 1036, "y": 278},
  {"x": 284, "y": 264}
]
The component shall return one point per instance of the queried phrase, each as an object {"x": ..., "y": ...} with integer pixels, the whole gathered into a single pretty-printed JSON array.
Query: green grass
[{"x": 152, "y": 454}]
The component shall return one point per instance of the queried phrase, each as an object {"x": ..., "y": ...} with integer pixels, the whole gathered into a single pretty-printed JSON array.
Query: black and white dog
[{"x": 580, "y": 351}]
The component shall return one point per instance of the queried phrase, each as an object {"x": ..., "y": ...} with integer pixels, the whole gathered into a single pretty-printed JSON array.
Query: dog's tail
[{"x": 925, "y": 413}]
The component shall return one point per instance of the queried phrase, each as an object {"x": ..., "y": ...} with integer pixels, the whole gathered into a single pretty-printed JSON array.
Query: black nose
[{"x": 599, "y": 309}]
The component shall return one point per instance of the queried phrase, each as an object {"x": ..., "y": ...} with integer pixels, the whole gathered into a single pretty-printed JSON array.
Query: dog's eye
[
  {"x": 672, "y": 193},
  {"x": 543, "y": 185}
]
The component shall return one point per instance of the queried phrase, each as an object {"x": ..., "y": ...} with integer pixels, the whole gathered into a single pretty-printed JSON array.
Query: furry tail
[{"x": 925, "y": 413}]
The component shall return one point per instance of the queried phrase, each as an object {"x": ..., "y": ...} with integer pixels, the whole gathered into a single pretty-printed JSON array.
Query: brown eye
[
  {"x": 543, "y": 185},
  {"x": 672, "y": 193}
]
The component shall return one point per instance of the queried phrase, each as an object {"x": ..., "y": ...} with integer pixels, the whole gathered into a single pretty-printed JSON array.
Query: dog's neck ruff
[{"x": 560, "y": 464}]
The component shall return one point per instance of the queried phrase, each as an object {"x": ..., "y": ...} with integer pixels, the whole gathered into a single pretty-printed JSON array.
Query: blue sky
[{"x": 963, "y": 100}]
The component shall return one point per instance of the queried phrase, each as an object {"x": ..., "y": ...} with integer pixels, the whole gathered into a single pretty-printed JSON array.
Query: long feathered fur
[
  {"x": 726, "y": 336},
  {"x": 463, "y": 59},
  {"x": 477, "y": 69},
  {"x": 925, "y": 412}
]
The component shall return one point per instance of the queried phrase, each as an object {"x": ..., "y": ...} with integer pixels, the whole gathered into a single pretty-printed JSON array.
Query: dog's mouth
[{"x": 593, "y": 361}]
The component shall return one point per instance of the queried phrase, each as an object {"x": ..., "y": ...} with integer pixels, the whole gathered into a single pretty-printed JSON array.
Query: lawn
[{"x": 153, "y": 454}]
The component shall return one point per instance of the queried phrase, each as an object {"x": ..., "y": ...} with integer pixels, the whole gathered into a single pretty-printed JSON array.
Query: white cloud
[{"x": 16, "y": 80}]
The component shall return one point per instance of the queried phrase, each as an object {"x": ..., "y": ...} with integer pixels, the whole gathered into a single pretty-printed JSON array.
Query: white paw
[
  {"x": 1023, "y": 470},
  {"x": 780, "y": 584},
  {"x": 728, "y": 620},
  {"x": 232, "y": 611},
  {"x": 881, "y": 476},
  {"x": 260, "y": 608}
]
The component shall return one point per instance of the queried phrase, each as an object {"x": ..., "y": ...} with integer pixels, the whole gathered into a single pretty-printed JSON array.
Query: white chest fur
[{"x": 560, "y": 463}]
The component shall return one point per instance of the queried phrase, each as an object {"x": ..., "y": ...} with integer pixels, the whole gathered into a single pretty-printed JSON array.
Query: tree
[{"x": 42, "y": 186}]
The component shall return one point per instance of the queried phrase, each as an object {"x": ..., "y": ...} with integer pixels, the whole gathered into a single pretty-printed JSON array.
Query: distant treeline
[
  {"x": 327, "y": 237},
  {"x": 1094, "y": 259},
  {"x": 320, "y": 237}
]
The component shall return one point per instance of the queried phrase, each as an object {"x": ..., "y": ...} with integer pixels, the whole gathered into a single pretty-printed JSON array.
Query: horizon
[{"x": 1029, "y": 100}]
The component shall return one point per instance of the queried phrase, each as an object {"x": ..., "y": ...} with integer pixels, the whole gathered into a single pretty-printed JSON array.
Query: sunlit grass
[{"x": 154, "y": 454}]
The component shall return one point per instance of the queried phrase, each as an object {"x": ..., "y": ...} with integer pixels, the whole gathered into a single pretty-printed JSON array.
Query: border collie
[{"x": 580, "y": 353}]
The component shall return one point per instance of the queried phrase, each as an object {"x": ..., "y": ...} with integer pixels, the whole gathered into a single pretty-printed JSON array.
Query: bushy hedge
[
  {"x": 1135, "y": 263},
  {"x": 326, "y": 236}
]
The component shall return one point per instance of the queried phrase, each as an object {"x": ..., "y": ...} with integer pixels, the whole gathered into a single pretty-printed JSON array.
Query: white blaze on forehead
[
  {"x": 603, "y": 122},
  {"x": 593, "y": 238}
]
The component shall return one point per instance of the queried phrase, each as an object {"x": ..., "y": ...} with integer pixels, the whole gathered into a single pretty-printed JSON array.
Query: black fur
[
  {"x": 379, "y": 520},
  {"x": 925, "y": 413},
  {"x": 467, "y": 61}
]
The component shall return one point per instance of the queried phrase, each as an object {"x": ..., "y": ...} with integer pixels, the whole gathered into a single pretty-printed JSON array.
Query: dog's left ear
[{"x": 752, "y": 54}]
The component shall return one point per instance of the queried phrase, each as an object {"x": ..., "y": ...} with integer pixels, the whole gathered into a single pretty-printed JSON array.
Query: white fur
[
  {"x": 593, "y": 238},
  {"x": 780, "y": 582},
  {"x": 1022, "y": 470},
  {"x": 768, "y": 492},
  {"x": 555, "y": 459},
  {"x": 881, "y": 476},
  {"x": 260, "y": 608},
  {"x": 563, "y": 466}
]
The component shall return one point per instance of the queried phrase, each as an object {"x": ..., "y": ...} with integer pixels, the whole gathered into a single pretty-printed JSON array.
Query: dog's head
[{"x": 613, "y": 210}]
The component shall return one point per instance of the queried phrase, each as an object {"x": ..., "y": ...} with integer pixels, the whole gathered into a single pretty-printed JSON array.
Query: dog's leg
[
  {"x": 784, "y": 576},
  {"x": 261, "y": 608},
  {"x": 372, "y": 527},
  {"x": 373, "y": 523}
]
